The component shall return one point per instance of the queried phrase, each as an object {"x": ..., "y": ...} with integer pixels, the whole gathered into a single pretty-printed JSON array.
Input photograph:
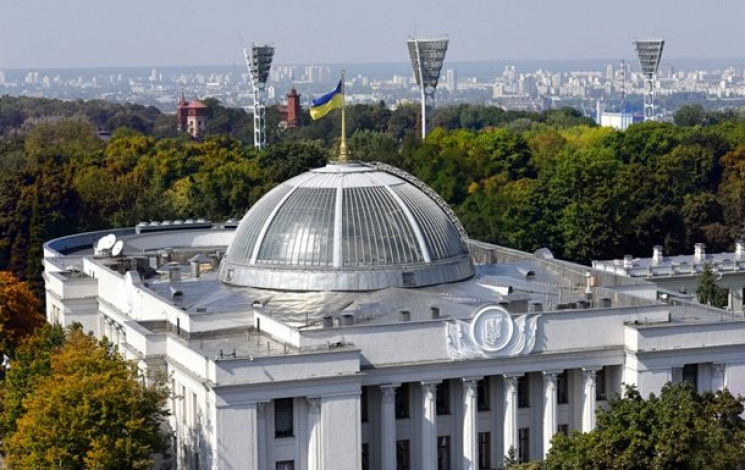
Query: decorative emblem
[
  {"x": 493, "y": 332},
  {"x": 492, "y": 328}
]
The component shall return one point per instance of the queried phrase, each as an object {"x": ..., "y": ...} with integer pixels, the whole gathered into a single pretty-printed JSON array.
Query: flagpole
[{"x": 343, "y": 144}]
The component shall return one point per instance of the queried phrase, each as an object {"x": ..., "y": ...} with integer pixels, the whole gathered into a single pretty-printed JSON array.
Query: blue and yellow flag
[{"x": 332, "y": 100}]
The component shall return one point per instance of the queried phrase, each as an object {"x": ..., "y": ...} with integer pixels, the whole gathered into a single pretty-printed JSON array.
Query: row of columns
[{"x": 428, "y": 429}]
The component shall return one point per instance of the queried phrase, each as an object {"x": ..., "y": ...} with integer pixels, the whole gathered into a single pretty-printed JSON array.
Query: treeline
[{"x": 525, "y": 180}]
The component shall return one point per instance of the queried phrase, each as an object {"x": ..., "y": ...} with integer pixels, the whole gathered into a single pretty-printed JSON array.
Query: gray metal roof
[{"x": 347, "y": 227}]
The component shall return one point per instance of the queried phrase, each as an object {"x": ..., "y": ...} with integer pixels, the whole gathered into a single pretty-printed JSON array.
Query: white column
[
  {"x": 233, "y": 446},
  {"x": 717, "y": 377},
  {"x": 388, "y": 426},
  {"x": 470, "y": 432},
  {"x": 510, "y": 414},
  {"x": 261, "y": 431},
  {"x": 315, "y": 432},
  {"x": 429, "y": 425},
  {"x": 588, "y": 399},
  {"x": 549, "y": 409}
]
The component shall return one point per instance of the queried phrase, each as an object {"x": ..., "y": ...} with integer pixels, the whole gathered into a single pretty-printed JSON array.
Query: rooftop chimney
[
  {"x": 657, "y": 254},
  {"x": 699, "y": 252},
  {"x": 174, "y": 274},
  {"x": 628, "y": 261}
]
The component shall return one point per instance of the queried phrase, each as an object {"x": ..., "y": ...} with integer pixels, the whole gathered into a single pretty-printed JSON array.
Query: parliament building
[{"x": 347, "y": 322}]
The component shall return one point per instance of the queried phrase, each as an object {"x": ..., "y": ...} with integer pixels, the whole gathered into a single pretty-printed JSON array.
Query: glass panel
[
  {"x": 402, "y": 401},
  {"x": 484, "y": 450},
  {"x": 523, "y": 392},
  {"x": 403, "y": 455},
  {"x": 443, "y": 453},
  {"x": 302, "y": 232},
  {"x": 482, "y": 395},
  {"x": 523, "y": 437},
  {"x": 442, "y": 238},
  {"x": 375, "y": 230},
  {"x": 285, "y": 465},
  {"x": 283, "y": 417},
  {"x": 248, "y": 230},
  {"x": 562, "y": 388},
  {"x": 442, "y": 399}
]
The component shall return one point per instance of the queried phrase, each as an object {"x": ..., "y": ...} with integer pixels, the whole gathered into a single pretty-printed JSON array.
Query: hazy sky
[{"x": 99, "y": 33}]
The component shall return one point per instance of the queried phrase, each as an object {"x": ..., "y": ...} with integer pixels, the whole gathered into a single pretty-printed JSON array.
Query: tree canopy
[
  {"x": 708, "y": 292},
  {"x": 521, "y": 179},
  {"x": 19, "y": 312},
  {"x": 84, "y": 407},
  {"x": 679, "y": 429}
]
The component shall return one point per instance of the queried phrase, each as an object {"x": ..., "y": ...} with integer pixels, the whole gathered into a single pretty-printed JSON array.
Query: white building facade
[{"x": 442, "y": 364}]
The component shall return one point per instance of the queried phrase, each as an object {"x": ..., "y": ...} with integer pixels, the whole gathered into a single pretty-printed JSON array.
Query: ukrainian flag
[{"x": 323, "y": 105}]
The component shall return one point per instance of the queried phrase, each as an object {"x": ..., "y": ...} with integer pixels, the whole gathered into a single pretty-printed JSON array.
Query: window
[
  {"x": 402, "y": 401},
  {"x": 443, "y": 453},
  {"x": 484, "y": 450},
  {"x": 183, "y": 404},
  {"x": 690, "y": 375},
  {"x": 403, "y": 457},
  {"x": 523, "y": 392},
  {"x": 363, "y": 405},
  {"x": 283, "y": 418},
  {"x": 285, "y": 465},
  {"x": 563, "y": 429},
  {"x": 365, "y": 456},
  {"x": 562, "y": 388},
  {"x": 600, "y": 384},
  {"x": 194, "y": 410},
  {"x": 523, "y": 439},
  {"x": 442, "y": 398},
  {"x": 482, "y": 395}
]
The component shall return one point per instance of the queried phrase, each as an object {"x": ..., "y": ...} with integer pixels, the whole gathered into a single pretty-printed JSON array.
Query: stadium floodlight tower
[
  {"x": 427, "y": 56},
  {"x": 259, "y": 61},
  {"x": 650, "y": 53}
]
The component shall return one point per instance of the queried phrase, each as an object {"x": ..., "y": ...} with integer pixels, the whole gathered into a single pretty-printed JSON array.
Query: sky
[{"x": 104, "y": 33}]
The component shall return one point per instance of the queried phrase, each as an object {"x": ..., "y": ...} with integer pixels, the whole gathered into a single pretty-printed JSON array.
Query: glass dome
[{"x": 348, "y": 227}]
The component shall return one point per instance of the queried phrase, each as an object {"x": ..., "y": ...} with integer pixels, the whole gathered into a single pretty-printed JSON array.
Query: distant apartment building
[{"x": 451, "y": 80}]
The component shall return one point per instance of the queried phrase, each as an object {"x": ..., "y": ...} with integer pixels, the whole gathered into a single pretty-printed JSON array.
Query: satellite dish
[
  {"x": 116, "y": 250},
  {"x": 107, "y": 242}
]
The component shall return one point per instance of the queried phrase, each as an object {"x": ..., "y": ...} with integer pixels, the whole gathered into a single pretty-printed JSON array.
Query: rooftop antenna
[
  {"x": 427, "y": 56},
  {"x": 117, "y": 249},
  {"x": 623, "y": 85},
  {"x": 259, "y": 61},
  {"x": 650, "y": 53},
  {"x": 104, "y": 244}
]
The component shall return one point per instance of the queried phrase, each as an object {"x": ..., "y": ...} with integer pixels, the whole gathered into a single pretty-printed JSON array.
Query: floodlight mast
[
  {"x": 649, "y": 52},
  {"x": 427, "y": 56},
  {"x": 259, "y": 61}
]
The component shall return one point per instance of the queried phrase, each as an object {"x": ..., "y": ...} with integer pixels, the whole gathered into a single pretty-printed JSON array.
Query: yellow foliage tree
[
  {"x": 19, "y": 312},
  {"x": 91, "y": 412}
]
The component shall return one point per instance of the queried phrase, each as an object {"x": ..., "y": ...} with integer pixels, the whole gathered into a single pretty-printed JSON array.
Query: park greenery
[
  {"x": 520, "y": 179},
  {"x": 71, "y": 402},
  {"x": 679, "y": 429}
]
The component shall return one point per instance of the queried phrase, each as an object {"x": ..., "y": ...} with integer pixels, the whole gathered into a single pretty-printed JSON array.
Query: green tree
[
  {"x": 690, "y": 115},
  {"x": 31, "y": 363},
  {"x": 678, "y": 429},
  {"x": 90, "y": 412},
  {"x": 708, "y": 292}
]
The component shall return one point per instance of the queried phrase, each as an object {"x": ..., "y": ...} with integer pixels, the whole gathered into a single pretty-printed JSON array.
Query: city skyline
[{"x": 92, "y": 34}]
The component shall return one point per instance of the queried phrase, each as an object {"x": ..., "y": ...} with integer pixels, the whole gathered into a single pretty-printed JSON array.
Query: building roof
[
  {"x": 348, "y": 227},
  {"x": 196, "y": 104}
]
